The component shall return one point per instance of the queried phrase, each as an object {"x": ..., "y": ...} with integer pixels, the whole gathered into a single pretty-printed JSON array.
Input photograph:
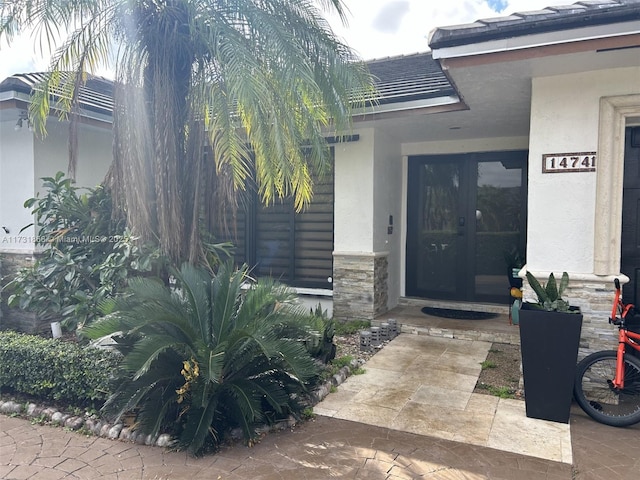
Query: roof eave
[
  {"x": 444, "y": 37},
  {"x": 424, "y": 106},
  {"x": 539, "y": 40},
  {"x": 14, "y": 95}
]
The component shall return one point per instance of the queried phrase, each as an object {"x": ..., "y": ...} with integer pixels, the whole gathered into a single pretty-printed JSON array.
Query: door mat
[{"x": 457, "y": 314}]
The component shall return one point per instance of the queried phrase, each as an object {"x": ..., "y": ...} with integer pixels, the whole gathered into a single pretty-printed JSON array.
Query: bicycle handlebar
[{"x": 619, "y": 309}]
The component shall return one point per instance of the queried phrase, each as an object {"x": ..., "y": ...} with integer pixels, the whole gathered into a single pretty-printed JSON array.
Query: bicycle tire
[{"x": 594, "y": 394}]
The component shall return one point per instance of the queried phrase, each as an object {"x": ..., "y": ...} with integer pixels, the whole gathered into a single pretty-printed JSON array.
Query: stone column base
[{"x": 360, "y": 287}]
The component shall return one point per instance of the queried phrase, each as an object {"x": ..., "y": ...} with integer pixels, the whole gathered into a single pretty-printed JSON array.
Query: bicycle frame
[{"x": 625, "y": 337}]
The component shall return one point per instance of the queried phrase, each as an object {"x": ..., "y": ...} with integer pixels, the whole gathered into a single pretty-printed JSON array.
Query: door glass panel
[
  {"x": 499, "y": 221},
  {"x": 438, "y": 212},
  {"x": 630, "y": 258}
]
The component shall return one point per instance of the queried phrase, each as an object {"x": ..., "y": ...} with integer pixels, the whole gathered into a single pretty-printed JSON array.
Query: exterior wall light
[{"x": 22, "y": 118}]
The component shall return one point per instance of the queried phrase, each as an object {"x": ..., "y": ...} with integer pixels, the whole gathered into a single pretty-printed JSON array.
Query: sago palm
[
  {"x": 208, "y": 354},
  {"x": 254, "y": 81}
]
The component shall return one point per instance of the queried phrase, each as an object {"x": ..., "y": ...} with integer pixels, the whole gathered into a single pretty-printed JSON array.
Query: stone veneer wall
[
  {"x": 360, "y": 287},
  {"x": 595, "y": 298},
  {"x": 15, "y": 318}
]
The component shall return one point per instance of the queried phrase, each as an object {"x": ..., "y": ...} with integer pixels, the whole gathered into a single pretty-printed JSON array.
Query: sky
[
  {"x": 382, "y": 28},
  {"x": 376, "y": 29}
]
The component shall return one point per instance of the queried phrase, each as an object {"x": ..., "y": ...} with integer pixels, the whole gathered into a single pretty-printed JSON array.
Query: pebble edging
[{"x": 91, "y": 424}]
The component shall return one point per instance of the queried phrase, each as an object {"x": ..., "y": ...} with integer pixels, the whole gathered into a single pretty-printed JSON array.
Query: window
[{"x": 295, "y": 248}]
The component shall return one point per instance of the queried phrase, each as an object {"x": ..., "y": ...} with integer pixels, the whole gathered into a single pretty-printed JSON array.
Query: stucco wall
[
  {"x": 368, "y": 191},
  {"x": 16, "y": 185},
  {"x": 565, "y": 119},
  {"x": 387, "y": 198},
  {"x": 94, "y": 153},
  {"x": 354, "y": 163},
  {"x": 465, "y": 145},
  {"x": 25, "y": 159}
]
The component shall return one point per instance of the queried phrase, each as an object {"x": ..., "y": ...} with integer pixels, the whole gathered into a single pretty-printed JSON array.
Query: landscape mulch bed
[{"x": 500, "y": 374}]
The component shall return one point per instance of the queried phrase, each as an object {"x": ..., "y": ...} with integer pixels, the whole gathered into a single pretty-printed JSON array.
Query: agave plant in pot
[{"x": 549, "y": 341}]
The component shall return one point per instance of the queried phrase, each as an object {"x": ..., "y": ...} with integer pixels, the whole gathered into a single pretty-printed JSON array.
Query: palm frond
[
  {"x": 226, "y": 290},
  {"x": 159, "y": 381},
  {"x": 194, "y": 284},
  {"x": 197, "y": 425},
  {"x": 246, "y": 409},
  {"x": 147, "y": 350}
]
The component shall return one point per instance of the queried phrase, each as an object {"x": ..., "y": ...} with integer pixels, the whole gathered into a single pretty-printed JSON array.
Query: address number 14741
[{"x": 569, "y": 162}]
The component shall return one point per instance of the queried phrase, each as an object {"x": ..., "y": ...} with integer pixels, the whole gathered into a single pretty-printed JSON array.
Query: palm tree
[
  {"x": 207, "y": 355},
  {"x": 252, "y": 81}
]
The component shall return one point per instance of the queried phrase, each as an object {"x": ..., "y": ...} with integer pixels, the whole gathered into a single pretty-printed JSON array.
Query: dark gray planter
[{"x": 549, "y": 343}]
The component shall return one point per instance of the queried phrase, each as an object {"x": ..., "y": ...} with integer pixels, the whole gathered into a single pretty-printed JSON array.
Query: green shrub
[
  {"x": 208, "y": 355},
  {"x": 319, "y": 342},
  {"x": 334, "y": 367},
  {"x": 56, "y": 370},
  {"x": 88, "y": 258},
  {"x": 342, "y": 361},
  {"x": 350, "y": 327}
]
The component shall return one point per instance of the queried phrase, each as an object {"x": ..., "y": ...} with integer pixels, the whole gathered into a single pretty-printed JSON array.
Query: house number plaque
[{"x": 569, "y": 162}]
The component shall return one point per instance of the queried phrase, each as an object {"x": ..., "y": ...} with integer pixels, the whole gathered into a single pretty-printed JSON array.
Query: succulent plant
[{"x": 550, "y": 295}]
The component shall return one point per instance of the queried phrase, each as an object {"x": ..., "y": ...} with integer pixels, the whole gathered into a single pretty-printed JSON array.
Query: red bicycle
[{"x": 607, "y": 383}]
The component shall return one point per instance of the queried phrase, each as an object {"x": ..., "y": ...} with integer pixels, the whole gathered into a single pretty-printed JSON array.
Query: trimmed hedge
[{"x": 55, "y": 369}]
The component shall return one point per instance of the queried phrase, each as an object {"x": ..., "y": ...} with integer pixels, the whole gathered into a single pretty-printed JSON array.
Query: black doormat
[{"x": 458, "y": 314}]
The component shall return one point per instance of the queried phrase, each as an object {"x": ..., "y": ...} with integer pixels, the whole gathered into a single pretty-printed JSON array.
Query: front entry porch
[{"x": 409, "y": 314}]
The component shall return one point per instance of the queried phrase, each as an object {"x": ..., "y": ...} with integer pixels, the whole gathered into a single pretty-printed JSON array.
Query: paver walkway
[
  {"x": 324, "y": 449},
  {"x": 424, "y": 385},
  {"x": 330, "y": 448}
]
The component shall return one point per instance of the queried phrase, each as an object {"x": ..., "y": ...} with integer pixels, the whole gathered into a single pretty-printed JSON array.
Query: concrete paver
[
  {"x": 325, "y": 448},
  {"x": 424, "y": 385},
  {"x": 434, "y": 430}
]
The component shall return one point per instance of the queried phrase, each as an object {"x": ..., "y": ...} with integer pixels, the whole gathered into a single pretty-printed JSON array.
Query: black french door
[
  {"x": 466, "y": 218},
  {"x": 630, "y": 258}
]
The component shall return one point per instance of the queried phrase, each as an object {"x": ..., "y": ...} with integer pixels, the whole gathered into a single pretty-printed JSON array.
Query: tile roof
[
  {"x": 96, "y": 95},
  {"x": 409, "y": 77},
  {"x": 398, "y": 79},
  {"x": 418, "y": 76},
  {"x": 582, "y": 14}
]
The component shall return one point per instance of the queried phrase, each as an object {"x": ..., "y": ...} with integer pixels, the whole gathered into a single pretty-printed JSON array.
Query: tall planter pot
[{"x": 549, "y": 343}]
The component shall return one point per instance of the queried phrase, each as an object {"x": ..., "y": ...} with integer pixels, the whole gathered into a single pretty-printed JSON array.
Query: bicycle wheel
[{"x": 596, "y": 395}]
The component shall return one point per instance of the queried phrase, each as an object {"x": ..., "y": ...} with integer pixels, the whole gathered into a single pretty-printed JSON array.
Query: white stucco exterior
[
  {"x": 94, "y": 153},
  {"x": 368, "y": 203},
  {"x": 25, "y": 159},
  {"x": 565, "y": 118},
  {"x": 387, "y": 215},
  {"x": 371, "y": 179},
  {"x": 354, "y": 205},
  {"x": 16, "y": 185},
  {"x": 544, "y": 94},
  {"x": 465, "y": 145}
]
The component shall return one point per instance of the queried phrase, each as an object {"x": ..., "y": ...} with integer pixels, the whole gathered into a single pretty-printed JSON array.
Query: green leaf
[
  {"x": 549, "y": 296},
  {"x": 540, "y": 291},
  {"x": 552, "y": 288},
  {"x": 564, "y": 283}
]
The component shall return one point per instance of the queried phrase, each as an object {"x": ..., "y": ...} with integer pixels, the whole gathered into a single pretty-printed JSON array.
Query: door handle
[{"x": 461, "y": 224}]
